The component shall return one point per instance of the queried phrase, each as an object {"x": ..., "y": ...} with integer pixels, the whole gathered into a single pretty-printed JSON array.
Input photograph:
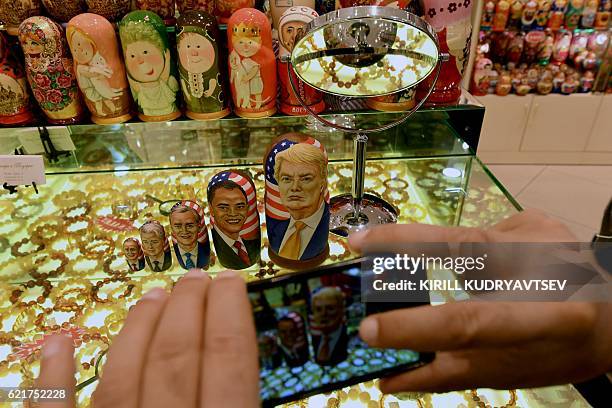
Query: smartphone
[{"x": 307, "y": 331}]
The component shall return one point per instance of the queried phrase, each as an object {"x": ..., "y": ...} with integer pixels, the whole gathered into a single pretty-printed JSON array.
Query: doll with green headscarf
[
  {"x": 198, "y": 51},
  {"x": 151, "y": 73}
]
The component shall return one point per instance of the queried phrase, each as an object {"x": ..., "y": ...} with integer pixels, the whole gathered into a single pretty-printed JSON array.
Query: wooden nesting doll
[
  {"x": 252, "y": 64},
  {"x": 50, "y": 70},
  {"x": 189, "y": 235},
  {"x": 99, "y": 68},
  {"x": 225, "y": 8},
  {"x": 14, "y": 96},
  {"x": 112, "y": 10},
  {"x": 135, "y": 258},
  {"x": 233, "y": 213},
  {"x": 62, "y": 10},
  {"x": 297, "y": 201},
  {"x": 199, "y": 66},
  {"x": 163, "y": 8},
  {"x": 151, "y": 72},
  {"x": 13, "y": 12},
  {"x": 207, "y": 6},
  {"x": 155, "y": 246},
  {"x": 279, "y": 7},
  {"x": 292, "y": 22}
]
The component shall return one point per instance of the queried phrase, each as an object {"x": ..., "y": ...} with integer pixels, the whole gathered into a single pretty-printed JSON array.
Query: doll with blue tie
[
  {"x": 189, "y": 235},
  {"x": 297, "y": 201}
]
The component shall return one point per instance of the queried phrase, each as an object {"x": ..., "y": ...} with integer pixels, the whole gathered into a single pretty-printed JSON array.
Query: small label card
[{"x": 16, "y": 170}]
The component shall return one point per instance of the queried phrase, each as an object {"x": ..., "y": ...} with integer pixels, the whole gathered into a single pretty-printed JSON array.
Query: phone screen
[{"x": 307, "y": 332}]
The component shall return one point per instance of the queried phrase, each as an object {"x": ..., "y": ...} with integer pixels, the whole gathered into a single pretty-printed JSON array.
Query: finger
[
  {"x": 172, "y": 370},
  {"x": 120, "y": 384},
  {"x": 472, "y": 324},
  {"x": 378, "y": 238},
  {"x": 57, "y": 370},
  {"x": 230, "y": 372}
]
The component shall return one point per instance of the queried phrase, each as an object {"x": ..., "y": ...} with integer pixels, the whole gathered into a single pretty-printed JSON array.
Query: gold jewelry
[
  {"x": 17, "y": 252},
  {"x": 481, "y": 404}
]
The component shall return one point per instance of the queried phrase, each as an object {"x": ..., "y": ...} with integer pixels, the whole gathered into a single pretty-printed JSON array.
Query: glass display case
[{"x": 61, "y": 261}]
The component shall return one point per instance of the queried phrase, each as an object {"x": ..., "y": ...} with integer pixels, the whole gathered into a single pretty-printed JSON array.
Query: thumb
[{"x": 57, "y": 370}]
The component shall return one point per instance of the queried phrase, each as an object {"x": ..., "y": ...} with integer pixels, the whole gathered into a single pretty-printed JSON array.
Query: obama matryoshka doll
[
  {"x": 252, "y": 64},
  {"x": 151, "y": 72},
  {"x": 13, "y": 12},
  {"x": 163, "y": 8},
  {"x": 14, "y": 95},
  {"x": 291, "y": 23},
  {"x": 297, "y": 201},
  {"x": 62, "y": 10},
  {"x": 50, "y": 70},
  {"x": 199, "y": 66},
  {"x": 235, "y": 219},
  {"x": 99, "y": 68}
]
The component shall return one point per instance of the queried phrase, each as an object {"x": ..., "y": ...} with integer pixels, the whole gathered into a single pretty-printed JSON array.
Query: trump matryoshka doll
[
  {"x": 14, "y": 95},
  {"x": 189, "y": 234},
  {"x": 150, "y": 69},
  {"x": 199, "y": 66},
  {"x": 297, "y": 201},
  {"x": 14, "y": 12},
  {"x": 50, "y": 70},
  {"x": 233, "y": 214},
  {"x": 99, "y": 68},
  {"x": 292, "y": 22},
  {"x": 252, "y": 64}
]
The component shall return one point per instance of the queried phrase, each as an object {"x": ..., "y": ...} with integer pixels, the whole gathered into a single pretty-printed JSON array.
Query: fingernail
[
  {"x": 51, "y": 346},
  {"x": 194, "y": 273},
  {"x": 357, "y": 239},
  {"x": 154, "y": 294},
  {"x": 228, "y": 274},
  {"x": 368, "y": 330}
]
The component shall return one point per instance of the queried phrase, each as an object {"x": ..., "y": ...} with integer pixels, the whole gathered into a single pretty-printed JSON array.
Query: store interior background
[{"x": 552, "y": 152}]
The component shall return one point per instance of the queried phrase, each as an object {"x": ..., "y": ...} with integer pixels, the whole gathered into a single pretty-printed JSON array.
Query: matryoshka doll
[
  {"x": 252, "y": 65},
  {"x": 232, "y": 204},
  {"x": 541, "y": 19},
  {"x": 602, "y": 17},
  {"x": 279, "y": 7},
  {"x": 132, "y": 251},
  {"x": 112, "y": 10},
  {"x": 63, "y": 10},
  {"x": 207, "y": 6},
  {"x": 488, "y": 15},
  {"x": 504, "y": 85},
  {"x": 151, "y": 72},
  {"x": 14, "y": 96},
  {"x": 586, "y": 82},
  {"x": 516, "y": 12},
  {"x": 157, "y": 253},
  {"x": 50, "y": 70},
  {"x": 190, "y": 242},
  {"x": 546, "y": 48},
  {"x": 573, "y": 14},
  {"x": 163, "y": 8},
  {"x": 200, "y": 67},
  {"x": 561, "y": 48},
  {"x": 557, "y": 14},
  {"x": 297, "y": 201},
  {"x": 225, "y": 8},
  {"x": 482, "y": 77},
  {"x": 292, "y": 22},
  {"x": 99, "y": 68},
  {"x": 588, "y": 13},
  {"x": 502, "y": 11},
  {"x": 13, "y": 12},
  {"x": 529, "y": 14}
]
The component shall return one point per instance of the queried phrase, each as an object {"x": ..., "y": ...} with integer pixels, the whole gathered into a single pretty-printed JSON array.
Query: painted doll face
[
  {"x": 32, "y": 46},
  {"x": 289, "y": 31},
  {"x": 196, "y": 53},
  {"x": 144, "y": 61},
  {"x": 152, "y": 244},
  {"x": 287, "y": 333},
  {"x": 185, "y": 227},
  {"x": 300, "y": 186},
  {"x": 246, "y": 46},
  {"x": 131, "y": 250},
  {"x": 327, "y": 310},
  {"x": 229, "y": 208},
  {"x": 82, "y": 48}
]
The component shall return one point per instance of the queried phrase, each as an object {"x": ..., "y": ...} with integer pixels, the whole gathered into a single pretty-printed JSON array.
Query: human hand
[
  {"x": 496, "y": 345},
  {"x": 175, "y": 350}
]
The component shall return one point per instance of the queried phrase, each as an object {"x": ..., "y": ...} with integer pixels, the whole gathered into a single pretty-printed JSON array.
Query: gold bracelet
[
  {"x": 69, "y": 198},
  {"x": 481, "y": 404}
]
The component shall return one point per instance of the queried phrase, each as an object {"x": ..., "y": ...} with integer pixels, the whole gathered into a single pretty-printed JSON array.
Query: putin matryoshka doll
[
  {"x": 50, "y": 70},
  {"x": 163, "y": 8},
  {"x": 62, "y": 10},
  {"x": 150, "y": 69},
  {"x": 112, "y": 10},
  {"x": 199, "y": 66},
  {"x": 190, "y": 242},
  {"x": 14, "y": 96},
  {"x": 297, "y": 201},
  {"x": 13, "y": 12},
  {"x": 225, "y": 8},
  {"x": 292, "y": 22},
  {"x": 99, "y": 68},
  {"x": 207, "y": 6},
  {"x": 252, "y": 64},
  {"x": 233, "y": 214}
]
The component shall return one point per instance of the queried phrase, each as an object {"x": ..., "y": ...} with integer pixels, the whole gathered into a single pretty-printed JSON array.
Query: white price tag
[{"x": 22, "y": 170}]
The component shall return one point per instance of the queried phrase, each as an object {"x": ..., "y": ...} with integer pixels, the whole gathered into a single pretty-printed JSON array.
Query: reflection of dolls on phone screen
[
  {"x": 328, "y": 328},
  {"x": 246, "y": 72},
  {"x": 292, "y": 339}
]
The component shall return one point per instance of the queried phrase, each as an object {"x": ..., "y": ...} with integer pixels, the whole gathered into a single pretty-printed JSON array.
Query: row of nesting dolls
[
  {"x": 87, "y": 57},
  {"x": 297, "y": 216}
]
